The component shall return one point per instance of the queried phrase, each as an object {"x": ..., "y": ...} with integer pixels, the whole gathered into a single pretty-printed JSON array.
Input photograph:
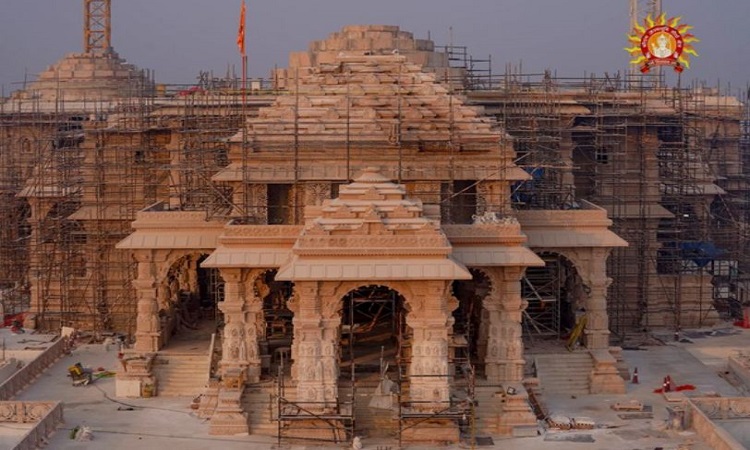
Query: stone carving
[
  {"x": 493, "y": 218},
  {"x": 316, "y": 193},
  {"x": 257, "y": 198},
  {"x": 24, "y": 412}
]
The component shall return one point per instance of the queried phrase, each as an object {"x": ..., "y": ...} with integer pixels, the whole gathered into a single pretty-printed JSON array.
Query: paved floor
[{"x": 163, "y": 422}]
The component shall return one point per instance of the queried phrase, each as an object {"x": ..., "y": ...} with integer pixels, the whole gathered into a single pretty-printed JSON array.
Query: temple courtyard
[{"x": 699, "y": 358}]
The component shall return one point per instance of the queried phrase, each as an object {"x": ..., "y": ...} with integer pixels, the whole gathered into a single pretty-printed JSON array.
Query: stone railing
[
  {"x": 724, "y": 408},
  {"x": 703, "y": 412},
  {"x": 211, "y": 356},
  {"x": 30, "y": 371},
  {"x": 46, "y": 416}
]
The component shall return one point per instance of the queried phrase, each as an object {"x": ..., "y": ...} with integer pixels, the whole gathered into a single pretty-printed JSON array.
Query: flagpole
[
  {"x": 244, "y": 82},
  {"x": 243, "y": 52}
]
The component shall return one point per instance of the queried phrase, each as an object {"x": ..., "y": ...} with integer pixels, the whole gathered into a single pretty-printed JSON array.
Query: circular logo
[{"x": 662, "y": 43}]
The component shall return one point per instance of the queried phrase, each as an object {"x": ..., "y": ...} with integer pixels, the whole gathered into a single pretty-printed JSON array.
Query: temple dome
[{"x": 89, "y": 77}]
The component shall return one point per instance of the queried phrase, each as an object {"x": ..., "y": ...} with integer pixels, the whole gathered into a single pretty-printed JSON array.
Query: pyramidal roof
[
  {"x": 371, "y": 231},
  {"x": 376, "y": 99}
]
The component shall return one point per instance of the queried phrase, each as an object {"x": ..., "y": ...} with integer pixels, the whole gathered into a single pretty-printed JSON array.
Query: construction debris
[{"x": 630, "y": 405}]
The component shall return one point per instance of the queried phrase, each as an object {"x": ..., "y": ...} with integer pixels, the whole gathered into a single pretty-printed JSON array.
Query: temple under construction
[{"x": 381, "y": 207}]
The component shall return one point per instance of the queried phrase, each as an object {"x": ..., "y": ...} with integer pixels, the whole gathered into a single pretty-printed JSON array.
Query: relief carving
[{"x": 316, "y": 193}]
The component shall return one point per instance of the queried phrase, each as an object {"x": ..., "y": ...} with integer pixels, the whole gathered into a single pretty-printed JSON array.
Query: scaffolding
[{"x": 666, "y": 163}]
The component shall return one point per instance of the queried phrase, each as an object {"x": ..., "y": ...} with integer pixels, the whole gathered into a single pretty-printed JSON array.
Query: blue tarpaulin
[{"x": 700, "y": 252}]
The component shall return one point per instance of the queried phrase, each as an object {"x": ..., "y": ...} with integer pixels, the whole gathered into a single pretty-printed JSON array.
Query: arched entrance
[
  {"x": 467, "y": 328},
  {"x": 555, "y": 298},
  {"x": 375, "y": 347},
  {"x": 372, "y": 329},
  {"x": 275, "y": 340},
  {"x": 188, "y": 307}
]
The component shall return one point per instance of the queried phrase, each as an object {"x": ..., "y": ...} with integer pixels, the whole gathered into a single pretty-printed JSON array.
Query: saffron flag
[{"x": 241, "y": 30}]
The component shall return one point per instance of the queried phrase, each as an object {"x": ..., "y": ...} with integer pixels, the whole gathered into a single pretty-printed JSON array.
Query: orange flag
[{"x": 241, "y": 30}]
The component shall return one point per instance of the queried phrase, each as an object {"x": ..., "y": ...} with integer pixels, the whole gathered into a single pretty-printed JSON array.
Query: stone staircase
[
  {"x": 370, "y": 422},
  {"x": 565, "y": 374},
  {"x": 487, "y": 409},
  {"x": 259, "y": 402},
  {"x": 181, "y": 374}
]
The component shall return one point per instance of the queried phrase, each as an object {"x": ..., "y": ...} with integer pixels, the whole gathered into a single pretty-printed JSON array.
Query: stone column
[
  {"x": 504, "y": 359},
  {"x": 504, "y": 362},
  {"x": 240, "y": 355},
  {"x": 596, "y": 334},
  {"x": 191, "y": 277},
  {"x": 240, "y": 362},
  {"x": 592, "y": 267},
  {"x": 147, "y": 329},
  {"x": 429, "y": 318},
  {"x": 315, "y": 345},
  {"x": 330, "y": 325}
]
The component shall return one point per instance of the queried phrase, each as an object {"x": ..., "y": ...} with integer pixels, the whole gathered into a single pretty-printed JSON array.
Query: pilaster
[
  {"x": 504, "y": 360},
  {"x": 148, "y": 328},
  {"x": 430, "y": 319},
  {"x": 315, "y": 346},
  {"x": 240, "y": 344},
  {"x": 594, "y": 275}
]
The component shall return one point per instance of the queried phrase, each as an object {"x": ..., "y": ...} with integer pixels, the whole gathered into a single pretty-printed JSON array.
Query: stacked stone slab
[
  {"x": 89, "y": 77},
  {"x": 369, "y": 40},
  {"x": 364, "y": 103}
]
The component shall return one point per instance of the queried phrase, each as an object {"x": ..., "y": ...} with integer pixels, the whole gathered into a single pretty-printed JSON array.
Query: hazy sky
[{"x": 178, "y": 38}]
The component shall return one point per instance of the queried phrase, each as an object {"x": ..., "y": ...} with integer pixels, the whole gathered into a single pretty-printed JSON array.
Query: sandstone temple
[{"x": 380, "y": 230}]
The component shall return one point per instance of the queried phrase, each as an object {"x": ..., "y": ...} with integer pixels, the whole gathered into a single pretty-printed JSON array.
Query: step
[
  {"x": 568, "y": 374},
  {"x": 181, "y": 375},
  {"x": 255, "y": 402}
]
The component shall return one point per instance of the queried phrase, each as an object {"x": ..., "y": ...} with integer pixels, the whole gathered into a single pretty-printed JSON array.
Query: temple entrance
[
  {"x": 555, "y": 299},
  {"x": 276, "y": 342},
  {"x": 374, "y": 342},
  {"x": 189, "y": 303},
  {"x": 465, "y": 345},
  {"x": 372, "y": 329}
]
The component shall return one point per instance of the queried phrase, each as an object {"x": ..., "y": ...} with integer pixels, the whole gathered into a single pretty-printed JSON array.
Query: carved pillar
[
  {"x": 191, "y": 277},
  {"x": 483, "y": 331},
  {"x": 240, "y": 355},
  {"x": 504, "y": 359},
  {"x": 430, "y": 319},
  {"x": 596, "y": 334},
  {"x": 147, "y": 329},
  {"x": 315, "y": 345},
  {"x": 240, "y": 361}
]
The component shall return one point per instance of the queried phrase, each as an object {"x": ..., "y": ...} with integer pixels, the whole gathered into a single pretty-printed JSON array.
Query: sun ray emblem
[{"x": 661, "y": 42}]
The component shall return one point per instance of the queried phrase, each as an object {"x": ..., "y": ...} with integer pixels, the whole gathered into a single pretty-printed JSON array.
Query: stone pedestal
[
  {"x": 209, "y": 399},
  {"x": 516, "y": 416},
  {"x": 308, "y": 430},
  {"x": 229, "y": 418},
  {"x": 604, "y": 378},
  {"x": 136, "y": 377},
  {"x": 435, "y": 431}
]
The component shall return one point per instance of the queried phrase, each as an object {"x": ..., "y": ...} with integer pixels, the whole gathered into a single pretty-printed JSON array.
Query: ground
[{"x": 700, "y": 359}]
